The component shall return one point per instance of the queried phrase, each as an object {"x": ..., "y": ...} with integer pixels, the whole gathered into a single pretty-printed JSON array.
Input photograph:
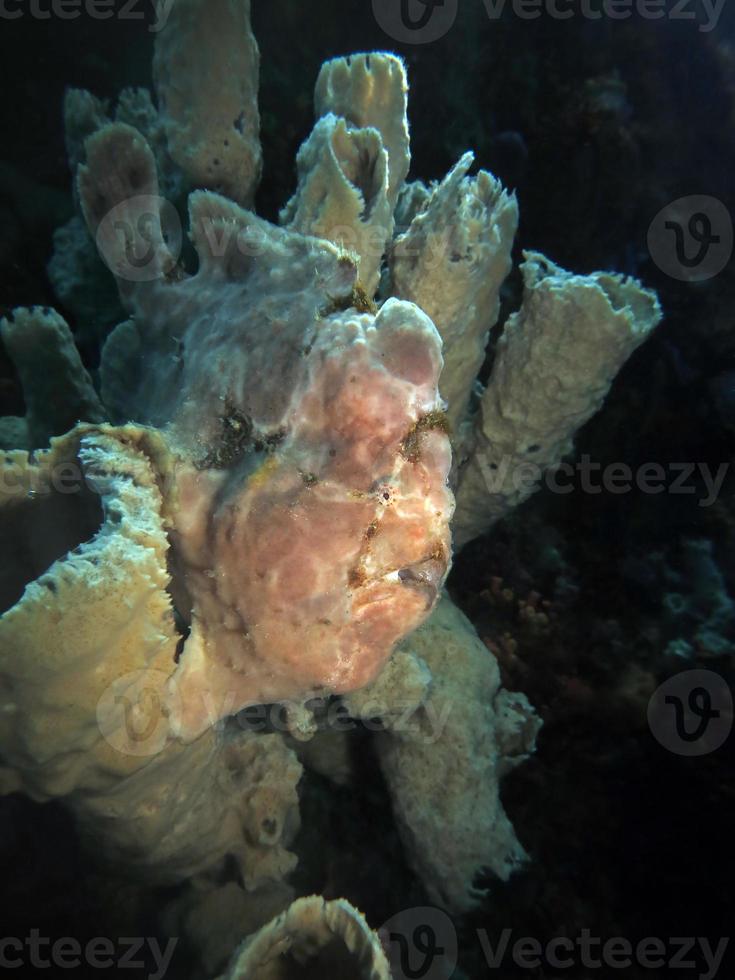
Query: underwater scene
[{"x": 367, "y": 489}]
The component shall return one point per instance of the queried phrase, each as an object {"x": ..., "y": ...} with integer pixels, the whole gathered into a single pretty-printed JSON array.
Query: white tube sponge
[
  {"x": 312, "y": 938},
  {"x": 370, "y": 90},
  {"x": 96, "y": 614},
  {"x": 205, "y": 70},
  {"x": 554, "y": 366},
  {"x": 450, "y": 738},
  {"x": 56, "y": 386},
  {"x": 84, "y": 114},
  {"x": 85, "y": 652},
  {"x": 342, "y": 193},
  {"x": 353, "y": 165},
  {"x": 451, "y": 262},
  {"x": 230, "y": 796},
  {"x": 118, "y": 190}
]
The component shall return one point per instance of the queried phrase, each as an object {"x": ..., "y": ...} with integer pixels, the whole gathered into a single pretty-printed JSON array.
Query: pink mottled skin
[
  {"x": 309, "y": 511},
  {"x": 305, "y": 575}
]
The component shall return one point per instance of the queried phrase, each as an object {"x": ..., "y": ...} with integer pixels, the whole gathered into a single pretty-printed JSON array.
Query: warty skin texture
[
  {"x": 309, "y": 502},
  {"x": 304, "y": 571}
]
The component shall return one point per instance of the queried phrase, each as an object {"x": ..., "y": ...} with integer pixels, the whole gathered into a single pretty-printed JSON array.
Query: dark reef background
[{"x": 588, "y": 600}]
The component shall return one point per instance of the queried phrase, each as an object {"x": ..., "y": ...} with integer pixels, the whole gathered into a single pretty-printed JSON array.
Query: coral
[
  {"x": 554, "y": 366},
  {"x": 698, "y": 612},
  {"x": 57, "y": 389},
  {"x": 76, "y": 268},
  {"x": 312, "y": 938},
  {"x": 451, "y": 260},
  {"x": 208, "y": 105},
  {"x": 109, "y": 586},
  {"x": 370, "y": 91},
  {"x": 452, "y": 731},
  {"x": 353, "y": 165},
  {"x": 343, "y": 193},
  {"x": 96, "y": 625},
  {"x": 266, "y": 516}
]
